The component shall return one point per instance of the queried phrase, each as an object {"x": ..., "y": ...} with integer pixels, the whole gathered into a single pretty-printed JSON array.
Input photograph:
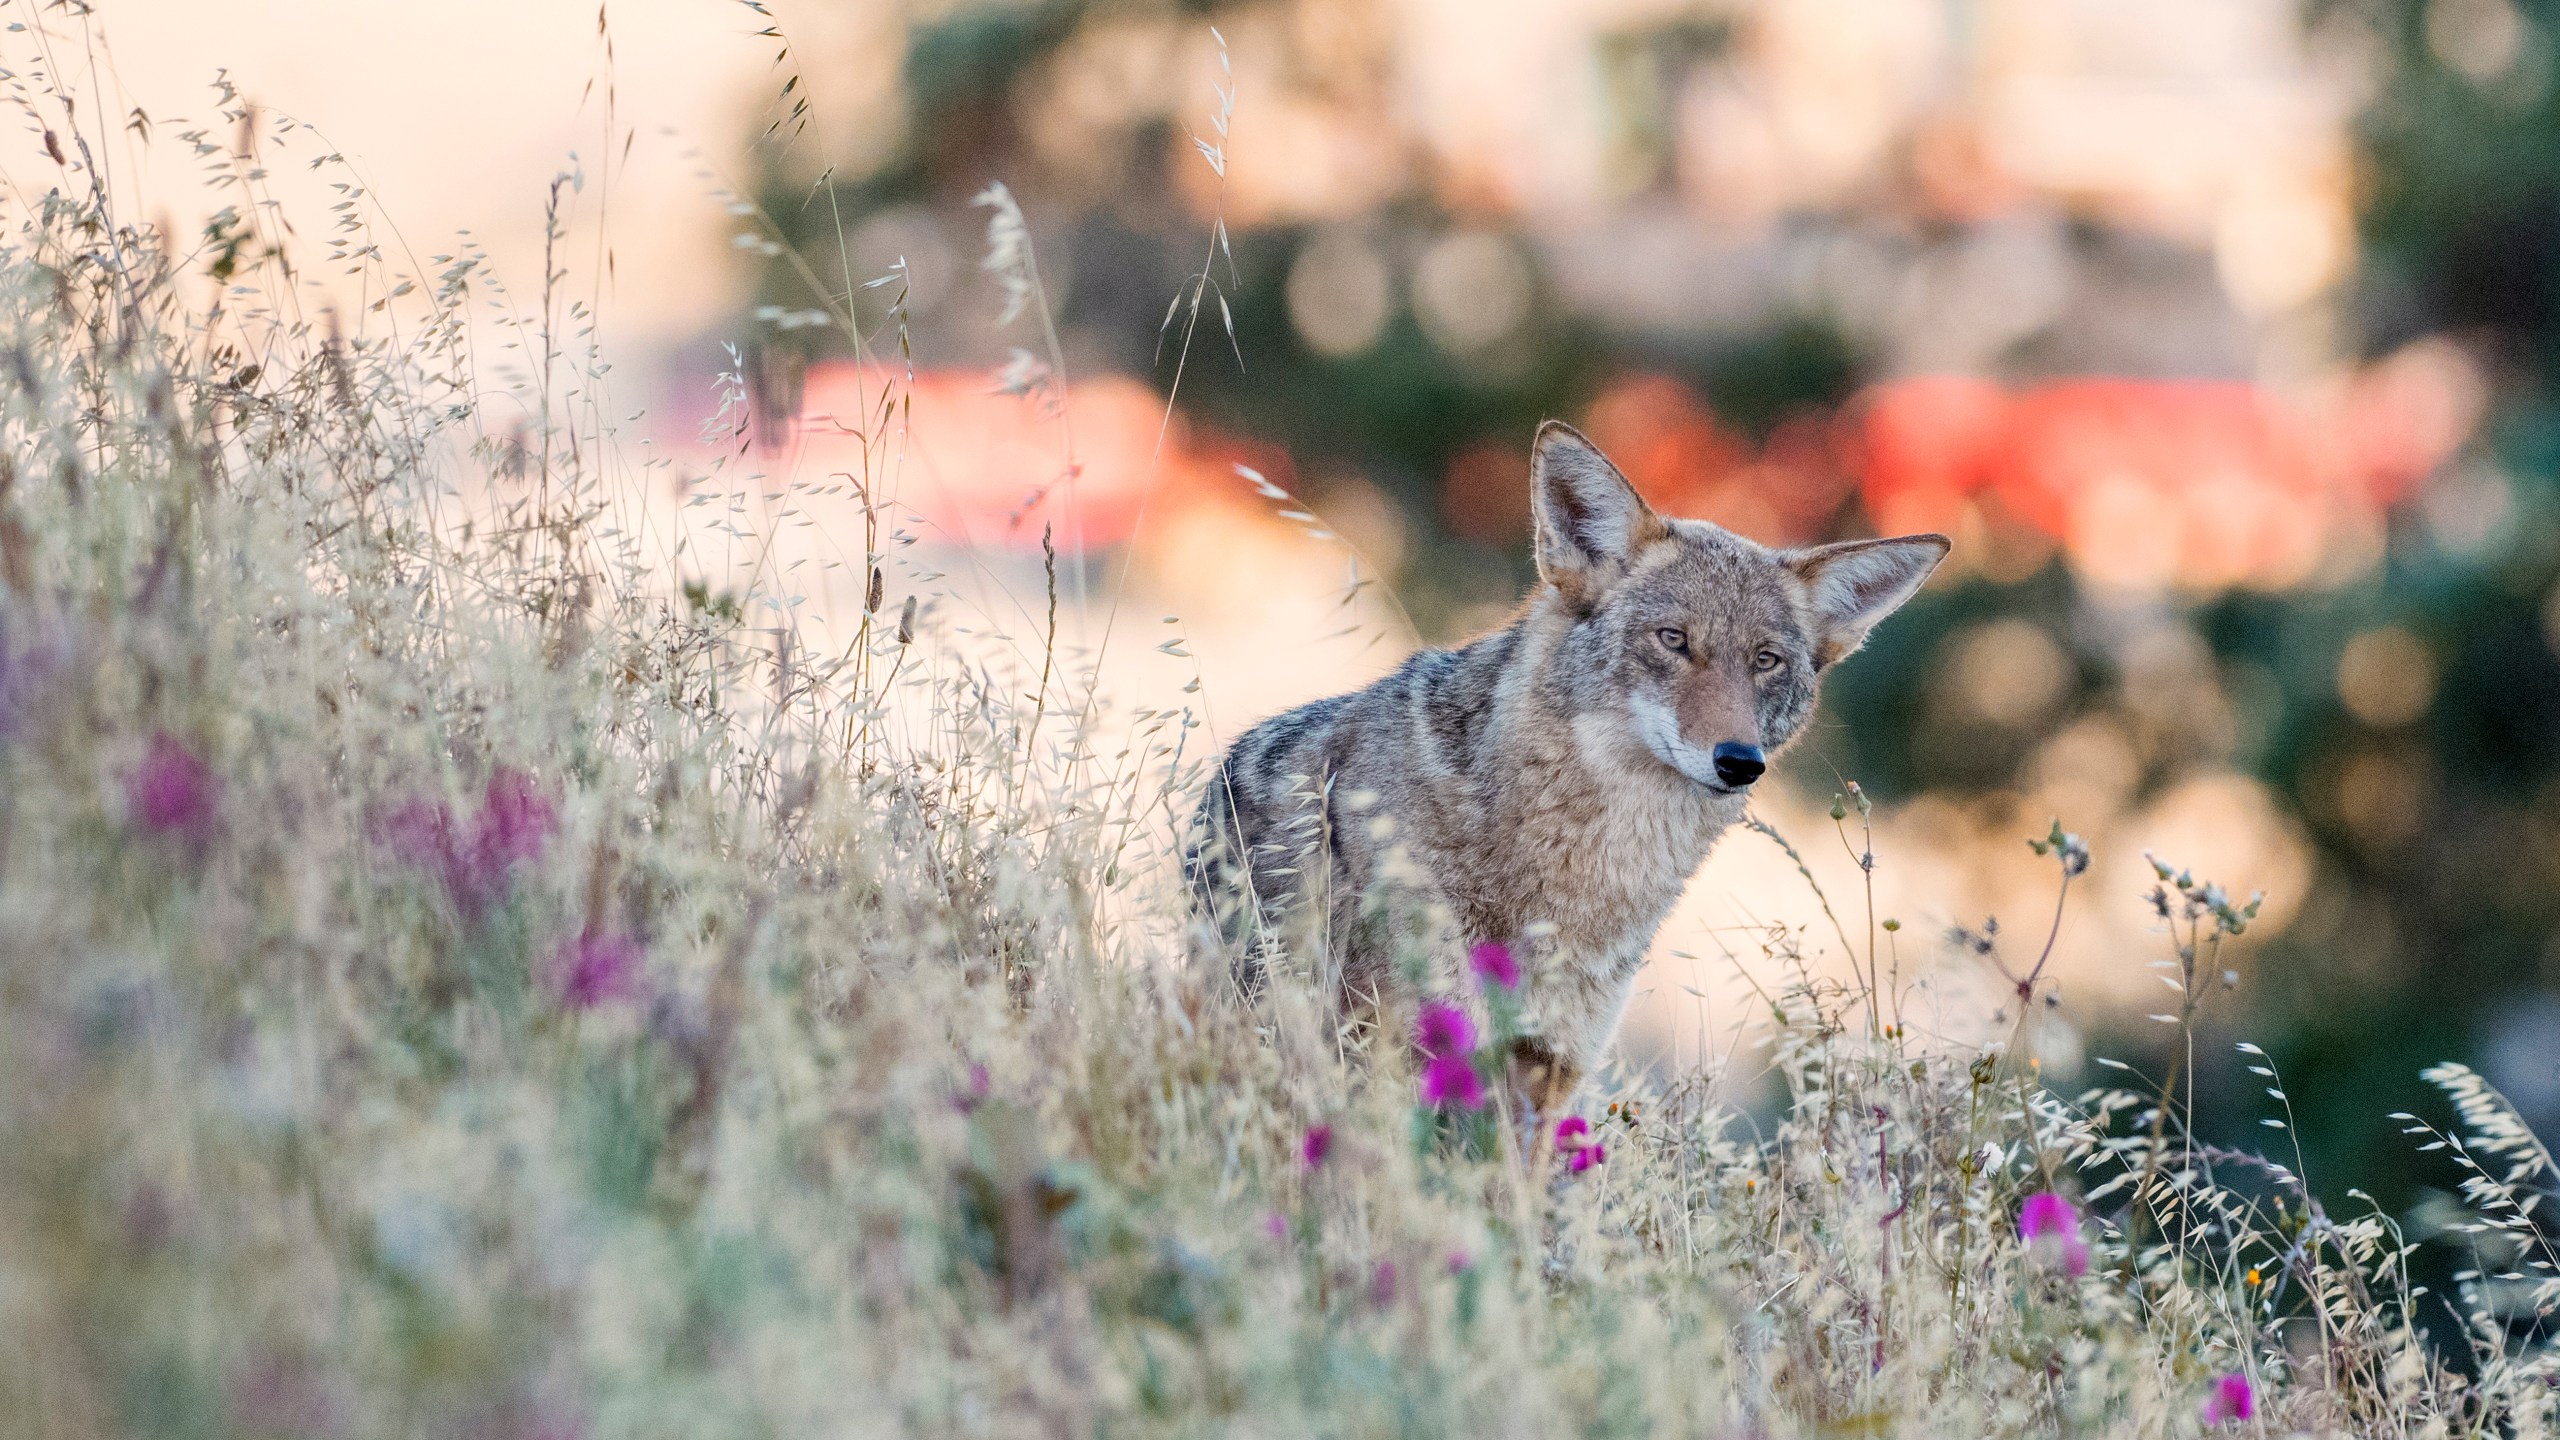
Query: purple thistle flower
[
  {"x": 476, "y": 863},
  {"x": 597, "y": 968},
  {"x": 1317, "y": 1145},
  {"x": 1574, "y": 1143},
  {"x": 1451, "y": 1080},
  {"x": 26, "y": 671},
  {"x": 1444, "y": 1029},
  {"x": 515, "y": 823},
  {"x": 970, "y": 1098},
  {"x": 2231, "y": 1398},
  {"x": 171, "y": 792},
  {"x": 2050, "y": 1224},
  {"x": 1382, "y": 1284},
  {"x": 1494, "y": 965},
  {"x": 516, "y": 819},
  {"x": 420, "y": 834}
]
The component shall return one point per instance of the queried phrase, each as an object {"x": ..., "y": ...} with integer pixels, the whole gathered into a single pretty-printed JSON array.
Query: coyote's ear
[
  {"x": 1590, "y": 521},
  {"x": 1852, "y": 585}
]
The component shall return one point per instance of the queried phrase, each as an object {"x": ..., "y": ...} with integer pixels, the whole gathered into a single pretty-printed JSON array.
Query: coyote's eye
[
  {"x": 1673, "y": 639},
  {"x": 1768, "y": 660}
]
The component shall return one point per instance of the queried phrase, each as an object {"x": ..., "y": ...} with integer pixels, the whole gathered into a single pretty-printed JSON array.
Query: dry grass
[{"x": 450, "y": 985}]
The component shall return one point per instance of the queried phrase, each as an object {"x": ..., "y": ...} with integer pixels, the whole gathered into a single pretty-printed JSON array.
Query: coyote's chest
[{"x": 1600, "y": 850}]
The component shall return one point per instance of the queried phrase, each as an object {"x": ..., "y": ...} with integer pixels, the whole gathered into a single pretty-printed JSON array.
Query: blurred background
[{"x": 2220, "y": 334}]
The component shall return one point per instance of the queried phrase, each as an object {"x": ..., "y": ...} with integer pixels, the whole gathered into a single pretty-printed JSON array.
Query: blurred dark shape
[
  {"x": 1485, "y": 496},
  {"x": 775, "y": 377}
]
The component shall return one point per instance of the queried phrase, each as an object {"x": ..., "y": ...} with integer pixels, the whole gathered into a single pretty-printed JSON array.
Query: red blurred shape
[
  {"x": 1687, "y": 462},
  {"x": 2144, "y": 482},
  {"x": 991, "y": 469},
  {"x": 1922, "y": 446}
]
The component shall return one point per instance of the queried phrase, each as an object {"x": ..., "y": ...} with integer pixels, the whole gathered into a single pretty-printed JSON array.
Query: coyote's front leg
[{"x": 1542, "y": 1083}]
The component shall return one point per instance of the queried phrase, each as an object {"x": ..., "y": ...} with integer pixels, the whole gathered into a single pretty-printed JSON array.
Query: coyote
[{"x": 1552, "y": 785}]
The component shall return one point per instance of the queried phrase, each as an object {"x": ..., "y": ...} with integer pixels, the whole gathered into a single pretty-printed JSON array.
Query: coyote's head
[{"x": 1703, "y": 645}]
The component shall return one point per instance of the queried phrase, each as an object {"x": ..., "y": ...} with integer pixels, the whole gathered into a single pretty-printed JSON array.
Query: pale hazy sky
[{"x": 458, "y": 114}]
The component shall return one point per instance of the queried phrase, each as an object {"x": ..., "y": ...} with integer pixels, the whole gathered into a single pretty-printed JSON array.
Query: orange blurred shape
[
  {"x": 1662, "y": 435},
  {"x": 989, "y": 468},
  {"x": 1955, "y": 166}
]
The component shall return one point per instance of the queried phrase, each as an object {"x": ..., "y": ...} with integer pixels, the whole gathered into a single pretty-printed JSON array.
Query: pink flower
[
  {"x": 1276, "y": 1225},
  {"x": 1493, "y": 963},
  {"x": 2231, "y": 1398},
  {"x": 1460, "y": 1262},
  {"x": 1451, "y": 1080},
  {"x": 597, "y": 968},
  {"x": 2050, "y": 1224},
  {"x": 171, "y": 792},
  {"x": 1317, "y": 1145},
  {"x": 1574, "y": 1143},
  {"x": 1444, "y": 1029}
]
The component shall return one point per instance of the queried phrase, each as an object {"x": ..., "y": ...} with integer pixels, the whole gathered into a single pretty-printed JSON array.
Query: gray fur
[{"x": 1546, "y": 785}]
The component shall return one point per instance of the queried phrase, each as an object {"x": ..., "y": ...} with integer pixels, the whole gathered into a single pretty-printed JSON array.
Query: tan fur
[{"x": 1552, "y": 785}]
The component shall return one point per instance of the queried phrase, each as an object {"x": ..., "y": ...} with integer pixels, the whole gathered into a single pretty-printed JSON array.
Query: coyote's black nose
[{"x": 1739, "y": 765}]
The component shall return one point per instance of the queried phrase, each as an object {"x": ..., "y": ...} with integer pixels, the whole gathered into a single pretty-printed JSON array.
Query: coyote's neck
[{"x": 1584, "y": 829}]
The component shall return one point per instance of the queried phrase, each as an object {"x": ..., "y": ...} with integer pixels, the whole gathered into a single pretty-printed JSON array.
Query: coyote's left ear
[
  {"x": 1852, "y": 585},
  {"x": 1590, "y": 521}
]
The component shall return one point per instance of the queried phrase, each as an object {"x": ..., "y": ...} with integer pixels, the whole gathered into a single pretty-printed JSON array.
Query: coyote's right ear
[{"x": 1590, "y": 521}]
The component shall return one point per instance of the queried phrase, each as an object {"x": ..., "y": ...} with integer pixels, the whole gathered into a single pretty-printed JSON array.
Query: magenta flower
[
  {"x": 1382, "y": 1284},
  {"x": 171, "y": 792},
  {"x": 2231, "y": 1398},
  {"x": 1574, "y": 1143},
  {"x": 1276, "y": 1225},
  {"x": 1451, "y": 1081},
  {"x": 2050, "y": 1224},
  {"x": 477, "y": 861},
  {"x": 597, "y": 968},
  {"x": 1460, "y": 1262},
  {"x": 1317, "y": 1145},
  {"x": 1494, "y": 965},
  {"x": 1444, "y": 1029}
]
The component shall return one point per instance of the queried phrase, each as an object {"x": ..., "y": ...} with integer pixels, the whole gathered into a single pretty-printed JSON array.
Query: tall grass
[{"x": 455, "y": 981}]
